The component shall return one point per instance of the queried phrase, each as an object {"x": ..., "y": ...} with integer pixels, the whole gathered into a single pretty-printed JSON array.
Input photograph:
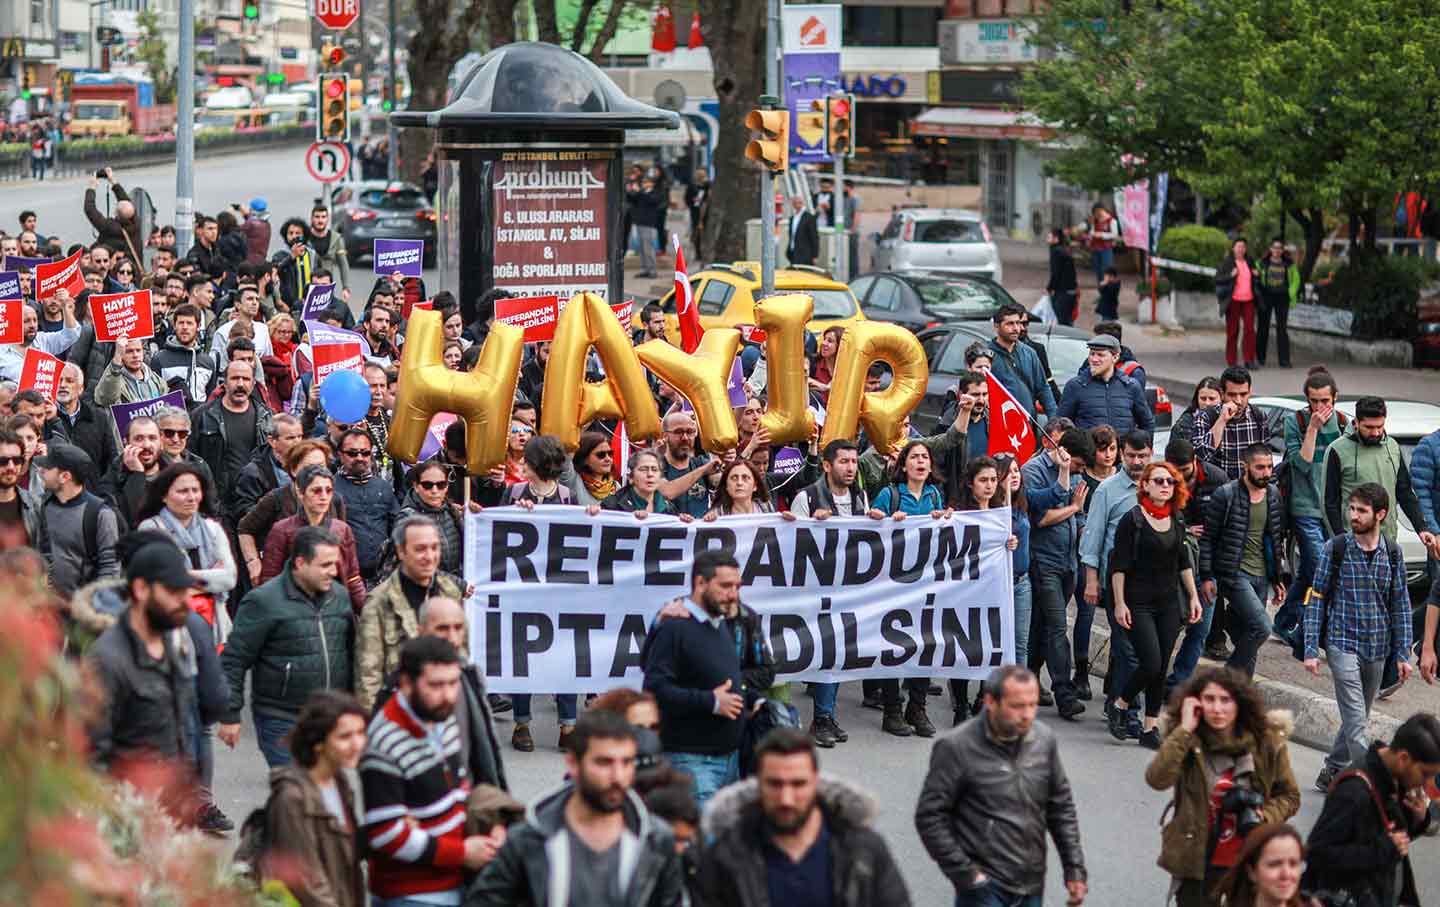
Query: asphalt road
[{"x": 1119, "y": 814}]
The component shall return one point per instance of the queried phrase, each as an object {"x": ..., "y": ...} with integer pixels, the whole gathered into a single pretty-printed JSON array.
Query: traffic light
[
  {"x": 252, "y": 10},
  {"x": 771, "y": 149},
  {"x": 333, "y": 124},
  {"x": 331, "y": 55},
  {"x": 839, "y": 111}
]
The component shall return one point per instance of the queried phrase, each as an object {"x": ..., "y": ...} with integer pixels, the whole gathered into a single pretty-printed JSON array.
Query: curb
[{"x": 1317, "y": 717}]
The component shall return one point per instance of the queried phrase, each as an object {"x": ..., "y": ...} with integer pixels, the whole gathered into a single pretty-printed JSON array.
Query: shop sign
[
  {"x": 968, "y": 41},
  {"x": 876, "y": 86}
]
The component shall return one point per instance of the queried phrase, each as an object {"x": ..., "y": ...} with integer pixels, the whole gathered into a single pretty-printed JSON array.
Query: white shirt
[
  {"x": 12, "y": 355},
  {"x": 222, "y": 341}
]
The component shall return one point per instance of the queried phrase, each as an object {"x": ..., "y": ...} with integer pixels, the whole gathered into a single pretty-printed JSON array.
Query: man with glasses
[
  {"x": 370, "y": 504},
  {"x": 19, "y": 510},
  {"x": 687, "y": 474}
]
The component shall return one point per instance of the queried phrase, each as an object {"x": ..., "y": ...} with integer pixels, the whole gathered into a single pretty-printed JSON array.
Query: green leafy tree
[{"x": 151, "y": 51}]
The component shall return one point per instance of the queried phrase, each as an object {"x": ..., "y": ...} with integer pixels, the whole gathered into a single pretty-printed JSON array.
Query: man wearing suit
[{"x": 804, "y": 235}]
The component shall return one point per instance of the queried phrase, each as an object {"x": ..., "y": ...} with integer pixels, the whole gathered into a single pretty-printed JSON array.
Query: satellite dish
[{"x": 670, "y": 95}]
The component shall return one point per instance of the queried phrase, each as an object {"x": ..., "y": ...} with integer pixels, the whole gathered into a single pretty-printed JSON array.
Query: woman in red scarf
[
  {"x": 1148, "y": 567},
  {"x": 279, "y": 368}
]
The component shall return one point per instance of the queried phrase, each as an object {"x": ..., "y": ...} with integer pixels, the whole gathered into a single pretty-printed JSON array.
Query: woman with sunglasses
[
  {"x": 275, "y": 505},
  {"x": 1149, "y": 565},
  {"x": 496, "y": 483},
  {"x": 589, "y": 475},
  {"x": 429, "y": 494},
  {"x": 315, "y": 487},
  {"x": 121, "y": 278}
]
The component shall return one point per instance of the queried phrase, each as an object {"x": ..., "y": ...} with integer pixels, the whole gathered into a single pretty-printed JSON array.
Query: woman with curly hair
[
  {"x": 1228, "y": 764},
  {"x": 1148, "y": 568},
  {"x": 742, "y": 491}
]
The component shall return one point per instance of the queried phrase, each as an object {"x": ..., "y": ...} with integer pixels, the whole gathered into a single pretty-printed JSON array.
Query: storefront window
[{"x": 891, "y": 26}]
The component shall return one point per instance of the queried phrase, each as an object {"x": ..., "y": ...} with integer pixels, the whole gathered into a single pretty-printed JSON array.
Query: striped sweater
[{"x": 414, "y": 806}]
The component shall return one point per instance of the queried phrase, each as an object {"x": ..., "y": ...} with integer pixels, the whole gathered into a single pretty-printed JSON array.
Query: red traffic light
[
  {"x": 840, "y": 107},
  {"x": 334, "y": 88}
]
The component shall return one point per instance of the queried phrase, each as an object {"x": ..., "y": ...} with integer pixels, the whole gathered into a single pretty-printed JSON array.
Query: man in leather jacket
[{"x": 994, "y": 789}]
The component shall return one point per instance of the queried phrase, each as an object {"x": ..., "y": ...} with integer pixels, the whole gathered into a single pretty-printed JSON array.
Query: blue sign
[
  {"x": 892, "y": 86},
  {"x": 809, "y": 77}
]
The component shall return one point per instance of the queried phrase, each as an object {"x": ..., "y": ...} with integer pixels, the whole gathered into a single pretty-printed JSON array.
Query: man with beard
[
  {"x": 370, "y": 505},
  {"x": 973, "y": 385},
  {"x": 415, "y": 783},
  {"x": 377, "y": 425},
  {"x": 12, "y": 355},
  {"x": 182, "y": 360},
  {"x": 812, "y": 837},
  {"x": 978, "y": 814},
  {"x": 693, "y": 668},
  {"x": 139, "y": 463},
  {"x": 149, "y": 692},
  {"x": 19, "y": 510},
  {"x": 226, "y": 431},
  {"x": 376, "y": 334},
  {"x": 1239, "y": 552},
  {"x": 593, "y": 841},
  {"x": 686, "y": 474},
  {"x": 79, "y": 531},
  {"x": 329, "y": 249},
  {"x": 1368, "y": 454},
  {"x": 1359, "y": 597},
  {"x": 87, "y": 428}
]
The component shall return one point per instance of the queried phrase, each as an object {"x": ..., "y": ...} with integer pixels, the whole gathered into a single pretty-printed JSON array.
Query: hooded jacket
[
  {"x": 533, "y": 868},
  {"x": 198, "y": 371},
  {"x": 731, "y": 872},
  {"x": 257, "y": 238},
  {"x": 301, "y": 829}
]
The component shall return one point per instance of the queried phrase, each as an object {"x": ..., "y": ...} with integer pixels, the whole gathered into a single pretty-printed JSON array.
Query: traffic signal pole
[
  {"x": 842, "y": 255},
  {"x": 767, "y": 182},
  {"x": 185, "y": 132},
  {"x": 393, "y": 139}
]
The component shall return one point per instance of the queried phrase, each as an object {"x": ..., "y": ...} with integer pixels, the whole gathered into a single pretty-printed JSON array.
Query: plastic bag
[{"x": 1043, "y": 311}]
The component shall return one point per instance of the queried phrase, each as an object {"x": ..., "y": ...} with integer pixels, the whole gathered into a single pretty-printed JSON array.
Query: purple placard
[
  {"x": 125, "y": 413},
  {"x": 10, "y": 285},
  {"x": 17, "y": 262},
  {"x": 404, "y": 256},
  {"x": 317, "y": 300},
  {"x": 318, "y": 333},
  {"x": 788, "y": 461},
  {"x": 435, "y": 435},
  {"x": 735, "y": 387}
]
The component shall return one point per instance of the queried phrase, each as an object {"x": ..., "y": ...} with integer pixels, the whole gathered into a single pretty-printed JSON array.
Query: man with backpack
[
  {"x": 78, "y": 529},
  {"x": 1359, "y": 611}
]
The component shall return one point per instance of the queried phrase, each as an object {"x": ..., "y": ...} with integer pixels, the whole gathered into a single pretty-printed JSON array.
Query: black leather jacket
[{"x": 986, "y": 806}]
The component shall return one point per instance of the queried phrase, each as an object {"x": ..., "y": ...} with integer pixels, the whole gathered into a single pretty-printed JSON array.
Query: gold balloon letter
[
  {"x": 701, "y": 376},
  {"x": 568, "y": 402},
  {"x": 787, "y": 412},
  {"x": 882, "y": 412},
  {"x": 483, "y": 397}
]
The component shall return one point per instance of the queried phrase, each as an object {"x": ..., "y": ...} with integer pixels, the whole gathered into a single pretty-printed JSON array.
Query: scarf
[
  {"x": 600, "y": 487},
  {"x": 1157, "y": 511},
  {"x": 195, "y": 538}
]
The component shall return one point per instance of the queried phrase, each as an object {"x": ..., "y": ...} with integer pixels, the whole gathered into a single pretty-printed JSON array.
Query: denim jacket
[{"x": 1052, "y": 547}]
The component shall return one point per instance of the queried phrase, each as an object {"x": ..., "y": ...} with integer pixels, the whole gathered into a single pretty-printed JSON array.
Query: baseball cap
[
  {"x": 1103, "y": 342},
  {"x": 67, "y": 457},
  {"x": 259, "y": 204},
  {"x": 162, "y": 562}
]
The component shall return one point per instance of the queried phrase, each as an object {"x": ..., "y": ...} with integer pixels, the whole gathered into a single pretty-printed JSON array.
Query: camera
[
  {"x": 100, "y": 174},
  {"x": 1244, "y": 804}
]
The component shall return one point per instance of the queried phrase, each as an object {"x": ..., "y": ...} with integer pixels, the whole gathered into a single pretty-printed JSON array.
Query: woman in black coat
[{"x": 1063, "y": 285}]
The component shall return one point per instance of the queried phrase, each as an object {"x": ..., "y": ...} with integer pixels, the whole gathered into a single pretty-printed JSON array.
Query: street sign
[
  {"x": 327, "y": 161},
  {"x": 337, "y": 14}
]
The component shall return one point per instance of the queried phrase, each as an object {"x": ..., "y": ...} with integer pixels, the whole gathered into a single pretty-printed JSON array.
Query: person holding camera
[{"x": 1229, "y": 767}]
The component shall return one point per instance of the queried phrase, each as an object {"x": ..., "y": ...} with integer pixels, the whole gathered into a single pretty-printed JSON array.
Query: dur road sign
[
  {"x": 327, "y": 161},
  {"x": 337, "y": 14}
]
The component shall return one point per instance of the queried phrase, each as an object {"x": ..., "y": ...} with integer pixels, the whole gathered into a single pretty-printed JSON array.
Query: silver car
[{"x": 937, "y": 239}]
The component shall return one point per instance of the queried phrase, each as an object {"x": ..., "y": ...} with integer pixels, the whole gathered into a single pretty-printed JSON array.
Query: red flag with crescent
[{"x": 1012, "y": 428}]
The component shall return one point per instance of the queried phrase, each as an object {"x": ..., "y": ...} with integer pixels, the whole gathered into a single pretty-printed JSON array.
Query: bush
[
  {"x": 1382, "y": 291},
  {"x": 1162, "y": 285},
  {"x": 1205, "y": 246}
]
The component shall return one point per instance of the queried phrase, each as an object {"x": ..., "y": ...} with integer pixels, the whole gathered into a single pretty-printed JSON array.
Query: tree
[
  {"x": 151, "y": 51},
  {"x": 594, "y": 24},
  {"x": 734, "y": 31}
]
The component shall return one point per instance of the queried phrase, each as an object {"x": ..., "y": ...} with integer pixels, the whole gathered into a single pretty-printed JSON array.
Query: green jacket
[
  {"x": 874, "y": 472},
  {"x": 1308, "y": 478},
  {"x": 1185, "y": 839},
  {"x": 1349, "y": 464},
  {"x": 386, "y": 622},
  {"x": 292, "y": 645},
  {"x": 1288, "y": 288}
]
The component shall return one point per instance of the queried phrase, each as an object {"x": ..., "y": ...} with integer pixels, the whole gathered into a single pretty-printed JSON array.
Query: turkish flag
[
  {"x": 696, "y": 38},
  {"x": 685, "y": 311},
  {"x": 662, "y": 39},
  {"x": 1012, "y": 428}
]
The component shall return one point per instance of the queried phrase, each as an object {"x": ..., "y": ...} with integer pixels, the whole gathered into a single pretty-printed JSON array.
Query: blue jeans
[
  {"x": 1100, "y": 259},
  {"x": 1356, "y": 683},
  {"x": 1053, "y": 589},
  {"x": 566, "y": 704},
  {"x": 1309, "y": 540},
  {"x": 400, "y": 902},
  {"x": 825, "y": 695},
  {"x": 270, "y": 731},
  {"x": 1024, "y": 605},
  {"x": 1084, "y": 620},
  {"x": 1250, "y": 621},
  {"x": 991, "y": 895},
  {"x": 1193, "y": 646},
  {"x": 711, "y": 772}
]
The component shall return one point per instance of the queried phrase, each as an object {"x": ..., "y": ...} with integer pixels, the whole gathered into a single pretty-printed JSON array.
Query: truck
[{"x": 106, "y": 107}]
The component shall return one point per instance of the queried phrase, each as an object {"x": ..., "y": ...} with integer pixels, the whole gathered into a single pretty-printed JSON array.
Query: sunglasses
[
  {"x": 433, "y": 486},
  {"x": 357, "y": 453},
  {"x": 11, "y": 461},
  {"x": 1162, "y": 481},
  {"x": 181, "y": 433},
  {"x": 521, "y": 430},
  {"x": 603, "y": 454}
]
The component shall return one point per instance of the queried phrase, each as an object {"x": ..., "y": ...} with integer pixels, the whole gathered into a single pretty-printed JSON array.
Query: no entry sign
[
  {"x": 327, "y": 161},
  {"x": 337, "y": 14}
]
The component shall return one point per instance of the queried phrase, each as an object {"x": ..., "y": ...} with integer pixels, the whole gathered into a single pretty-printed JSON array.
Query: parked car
[
  {"x": 725, "y": 295},
  {"x": 382, "y": 209},
  {"x": 938, "y": 239},
  {"x": 1064, "y": 346},
  {"x": 926, "y": 299}
]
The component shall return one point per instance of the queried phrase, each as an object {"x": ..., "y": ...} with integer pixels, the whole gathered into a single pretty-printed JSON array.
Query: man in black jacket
[
  {"x": 978, "y": 816},
  {"x": 86, "y": 427},
  {"x": 804, "y": 243},
  {"x": 226, "y": 431},
  {"x": 266, "y": 468},
  {"x": 791, "y": 831},
  {"x": 1360, "y": 845},
  {"x": 593, "y": 838},
  {"x": 1203, "y": 479}
]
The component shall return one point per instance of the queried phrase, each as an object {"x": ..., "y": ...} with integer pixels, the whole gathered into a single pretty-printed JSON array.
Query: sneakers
[
  {"x": 1082, "y": 681},
  {"x": 212, "y": 821},
  {"x": 1046, "y": 698},
  {"x": 1115, "y": 722},
  {"x": 836, "y": 730},
  {"x": 959, "y": 717},
  {"x": 1070, "y": 709},
  {"x": 1150, "y": 739},
  {"x": 1322, "y": 780},
  {"x": 894, "y": 722},
  {"x": 1218, "y": 652},
  {"x": 521, "y": 739},
  {"x": 820, "y": 733},
  {"x": 498, "y": 703},
  {"x": 916, "y": 717}
]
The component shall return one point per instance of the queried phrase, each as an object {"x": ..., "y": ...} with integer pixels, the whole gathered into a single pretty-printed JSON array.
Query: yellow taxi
[{"x": 725, "y": 295}]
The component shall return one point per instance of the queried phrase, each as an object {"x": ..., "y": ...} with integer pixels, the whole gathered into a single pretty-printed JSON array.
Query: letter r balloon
[
  {"x": 882, "y": 412},
  {"x": 482, "y": 397}
]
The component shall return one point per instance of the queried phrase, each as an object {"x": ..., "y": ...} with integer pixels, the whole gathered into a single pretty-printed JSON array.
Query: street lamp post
[{"x": 185, "y": 132}]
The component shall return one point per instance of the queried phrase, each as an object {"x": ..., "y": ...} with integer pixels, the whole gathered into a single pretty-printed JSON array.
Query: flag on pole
[
  {"x": 689, "y": 316},
  {"x": 697, "y": 37},
  {"x": 1012, "y": 428},
  {"x": 662, "y": 36}
]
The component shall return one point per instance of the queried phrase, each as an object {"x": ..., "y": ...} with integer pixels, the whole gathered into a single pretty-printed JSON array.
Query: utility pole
[
  {"x": 842, "y": 255},
  {"x": 767, "y": 185},
  {"x": 185, "y": 132},
  {"x": 394, "y": 165}
]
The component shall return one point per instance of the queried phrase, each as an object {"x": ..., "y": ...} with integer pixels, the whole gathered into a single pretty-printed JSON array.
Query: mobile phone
[{"x": 99, "y": 174}]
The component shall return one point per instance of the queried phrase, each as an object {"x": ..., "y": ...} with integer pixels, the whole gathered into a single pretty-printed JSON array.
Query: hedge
[
  {"x": 1383, "y": 291},
  {"x": 1196, "y": 245}
]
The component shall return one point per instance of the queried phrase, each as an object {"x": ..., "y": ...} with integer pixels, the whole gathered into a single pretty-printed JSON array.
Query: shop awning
[{"x": 979, "y": 123}]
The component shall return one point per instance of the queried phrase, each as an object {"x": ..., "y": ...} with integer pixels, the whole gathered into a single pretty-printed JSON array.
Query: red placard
[
  {"x": 536, "y": 315},
  {"x": 41, "y": 372},
  {"x": 64, "y": 273},
  {"x": 119, "y": 315},
  {"x": 12, "y": 321},
  {"x": 550, "y": 222},
  {"x": 335, "y": 357},
  {"x": 624, "y": 311}
]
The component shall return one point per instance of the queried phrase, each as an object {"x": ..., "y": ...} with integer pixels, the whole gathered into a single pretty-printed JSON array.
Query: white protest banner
[{"x": 563, "y": 601}]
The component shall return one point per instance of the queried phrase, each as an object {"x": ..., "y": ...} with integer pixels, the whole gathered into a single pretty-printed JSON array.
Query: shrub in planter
[
  {"x": 1162, "y": 286},
  {"x": 1382, "y": 291},
  {"x": 1204, "y": 246}
]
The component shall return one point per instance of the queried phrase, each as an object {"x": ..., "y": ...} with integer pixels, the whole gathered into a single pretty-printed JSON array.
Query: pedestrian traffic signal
[
  {"x": 332, "y": 55},
  {"x": 838, "y": 121},
  {"x": 771, "y": 149},
  {"x": 252, "y": 11},
  {"x": 333, "y": 124}
]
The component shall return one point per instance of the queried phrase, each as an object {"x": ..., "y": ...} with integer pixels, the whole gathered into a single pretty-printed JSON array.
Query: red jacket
[{"x": 282, "y": 538}]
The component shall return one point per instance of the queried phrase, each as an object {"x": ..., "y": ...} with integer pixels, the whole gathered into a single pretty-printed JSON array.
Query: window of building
[{"x": 891, "y": 26}]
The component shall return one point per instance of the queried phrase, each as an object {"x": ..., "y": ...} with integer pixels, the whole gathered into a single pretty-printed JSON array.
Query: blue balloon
[{"x": 345, "y": 396}]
